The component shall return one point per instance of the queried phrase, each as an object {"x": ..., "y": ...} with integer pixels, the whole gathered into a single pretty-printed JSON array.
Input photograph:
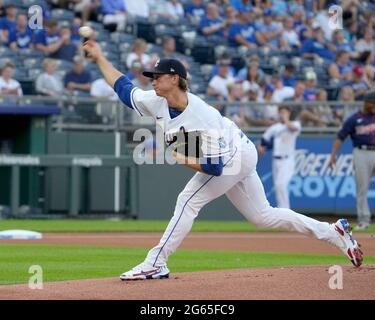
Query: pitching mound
[{"x": 275, "y": 283}]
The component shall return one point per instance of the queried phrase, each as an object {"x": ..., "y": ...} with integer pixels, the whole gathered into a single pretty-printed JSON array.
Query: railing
[{"x": 82, "y": 113}]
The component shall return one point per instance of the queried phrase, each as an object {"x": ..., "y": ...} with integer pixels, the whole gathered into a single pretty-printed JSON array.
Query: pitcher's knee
[{"x": 262, "y": 217}]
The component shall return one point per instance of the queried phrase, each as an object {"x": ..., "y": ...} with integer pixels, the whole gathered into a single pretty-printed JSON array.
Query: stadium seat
[
  {"x": 34, "y": 73},
  {"x": 62, "y": 14},
  {"x": 6, "y": 52},
  {"x": 30, "y": 63}
]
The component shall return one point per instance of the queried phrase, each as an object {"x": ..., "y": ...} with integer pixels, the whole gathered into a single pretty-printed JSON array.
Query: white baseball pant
[
  {"x": 245, "y": 191},
  {"x": 282, "y": 172}
]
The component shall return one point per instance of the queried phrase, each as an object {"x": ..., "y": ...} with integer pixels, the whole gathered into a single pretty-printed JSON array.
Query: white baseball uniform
[
  {"x": 239, "y": 180},
  {"x": 284, "y": 146}
]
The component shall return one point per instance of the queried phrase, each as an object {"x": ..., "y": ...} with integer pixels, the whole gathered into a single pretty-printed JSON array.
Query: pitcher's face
[{"x": 164, "y": 83}]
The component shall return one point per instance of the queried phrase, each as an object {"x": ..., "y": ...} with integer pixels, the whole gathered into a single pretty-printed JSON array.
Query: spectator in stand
[
  {"x": 142, "y": 82},
  {"x": 270, "y": 109},
  {"x": 102, "y": 90},
  {"x": 343, "y": 111},
  {"x": 48, "y": 40},
  {"x": 322, "y": 19},
  {"x": 253, "y": 76},
  {"x": 114, "y": 13},
  {"x": 248, "y": 72},
  {"x": 243, "y": 32},
  {"x": 367, "y": 59},
  {"x": 138, "y": 53},
  {"x": 287, "y": 76},
  {"x": 221, "y": 4},
  {"x": 304, "y": 28},
  {"x": 259, "y": 6},
  {"x": 135, "y": 70},
  {"x": 367, "y": 20},
  {"x": 8, "y": 23},
  {"x": 367, "y": 43},
  {"x": 75, "y": 37},
  {"x": 218, "y": 85},
  {"x": 281, "y": 92},
  {"x": 195, "y": 10},
  {"x": 8, "y": 85},
  {"x": 340, "y": 71},
  {"x": 169, "y": 47},
  {"x": 138, "y": 8},
  {"x": 236, "y": 98},
  {"x": 310, "y": 92},
  {"x": 318, "y": 115},
  {"x": 299, "y": 90},
  {"x": 242, "y": 5},
  {"x": 358, "y": 83},
  {"x": 49, "y": 83},
  {"x": 174, "y": 9},
  {"x": 212, "y": 24},
  {"x": 256, "y": 115},
  {"x": 289, "y": 35},
  {"x": 68, "y": 50},
  {"x": 231, "y": 17},
  {"x": 21, "y": 37},
  {"x": 224, "y": 57},
  {"x": 317, "y": 46},
  {"x": 339, "y": 43},
  {"x": 324, "y": 111},
  {"x": 169, "y": 50},
  {"x": 78, "y": 80},
  {"x": 270, "y": 32},
  {"x": 298, "y": 13},
  {"x": 87, "y": 8}
]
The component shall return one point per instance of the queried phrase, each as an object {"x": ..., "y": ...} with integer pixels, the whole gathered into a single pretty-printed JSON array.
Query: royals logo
[{"x": 157, "y": 63}]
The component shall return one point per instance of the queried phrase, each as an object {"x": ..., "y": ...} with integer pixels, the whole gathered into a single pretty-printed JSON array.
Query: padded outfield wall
[{"x": 314, "y": 189}]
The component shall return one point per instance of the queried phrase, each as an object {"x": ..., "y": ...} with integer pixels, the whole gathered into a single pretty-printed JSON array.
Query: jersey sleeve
[
  {"x": 346, "y": 129},
  {"x": 297, "y": 124},
  {"x": 268, "y": 135},
  {"x": 139, "y": 100}
]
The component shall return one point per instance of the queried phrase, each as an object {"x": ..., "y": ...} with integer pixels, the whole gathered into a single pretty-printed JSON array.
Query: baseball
[{"x": 85, "y": 31}]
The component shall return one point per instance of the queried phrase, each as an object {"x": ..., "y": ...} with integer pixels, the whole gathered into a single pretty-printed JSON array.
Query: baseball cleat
[
  {"x": 145, "y": 271},
  {"x": 347, "y": 243}
]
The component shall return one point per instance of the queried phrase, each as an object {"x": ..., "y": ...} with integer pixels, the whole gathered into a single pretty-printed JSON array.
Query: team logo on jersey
[{"x": 222, "y": 143}]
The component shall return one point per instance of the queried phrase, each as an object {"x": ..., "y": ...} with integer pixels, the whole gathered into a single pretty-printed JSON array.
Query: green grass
[
  {"x": 127, "y": 225},
  {"x": 61, "y": 262}
]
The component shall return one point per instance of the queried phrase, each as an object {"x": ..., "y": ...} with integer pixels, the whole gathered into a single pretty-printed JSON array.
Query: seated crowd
[{"x": 345, "y": 56}]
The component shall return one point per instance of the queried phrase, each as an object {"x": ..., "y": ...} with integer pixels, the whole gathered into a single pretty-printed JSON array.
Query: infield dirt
[{"x": 309, "y": 282}]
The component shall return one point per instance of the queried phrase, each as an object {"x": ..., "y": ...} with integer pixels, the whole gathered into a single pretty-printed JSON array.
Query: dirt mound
[{"x": 274, "y": 283}]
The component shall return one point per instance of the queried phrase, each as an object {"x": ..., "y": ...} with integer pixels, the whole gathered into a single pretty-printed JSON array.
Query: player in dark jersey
[{"x": 361, "y": 128}]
